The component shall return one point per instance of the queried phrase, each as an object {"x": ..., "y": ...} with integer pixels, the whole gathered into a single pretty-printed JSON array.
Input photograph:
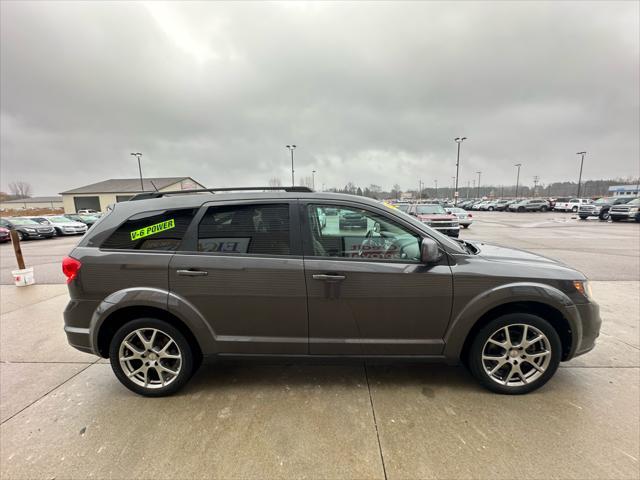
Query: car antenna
[{"x": 154, "y": 185}]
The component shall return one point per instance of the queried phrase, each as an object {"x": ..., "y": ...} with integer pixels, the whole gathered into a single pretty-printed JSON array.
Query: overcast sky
[{"x": 370, "y": 93}]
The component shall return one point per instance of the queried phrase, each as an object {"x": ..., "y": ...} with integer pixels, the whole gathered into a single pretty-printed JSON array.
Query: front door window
[{"x": 348, "y": 232}]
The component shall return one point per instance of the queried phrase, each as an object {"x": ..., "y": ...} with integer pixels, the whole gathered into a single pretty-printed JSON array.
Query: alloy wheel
[
  {"x": 516, "y": 355},
  {"x": 150, "y": 358}
]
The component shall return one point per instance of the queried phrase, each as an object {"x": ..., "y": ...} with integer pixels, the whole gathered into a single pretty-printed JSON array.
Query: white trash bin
[{"x": 23, "y": 277}]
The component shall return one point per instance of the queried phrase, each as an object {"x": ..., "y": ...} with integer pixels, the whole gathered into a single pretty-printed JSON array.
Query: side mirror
[{"x": 429, "y": 251}]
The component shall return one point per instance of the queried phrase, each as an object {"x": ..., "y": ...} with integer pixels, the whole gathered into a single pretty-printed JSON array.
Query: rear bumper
[{"x": 77, "y": 319}]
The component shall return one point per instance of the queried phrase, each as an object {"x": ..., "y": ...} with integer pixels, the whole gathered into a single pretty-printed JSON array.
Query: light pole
[
  {"x": 517, "y": 178},
  {"x": 454, "y": 180},
  {"x": 419, "y": 190},
  {"x": 436, "y": 182},
  {"x": 536, "y": 179},
  {"x": 479, "y": 173},
  {"x": 582, "y": 154},
  {"x": 458, "y": 140},
  {"x": 313, "y": 179},
  {"x": 293, "y": 178},
  {"x": 138, "y": 155}
]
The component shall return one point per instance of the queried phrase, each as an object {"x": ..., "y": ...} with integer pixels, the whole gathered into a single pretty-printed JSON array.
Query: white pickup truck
[{"x": 572, "y": 205}]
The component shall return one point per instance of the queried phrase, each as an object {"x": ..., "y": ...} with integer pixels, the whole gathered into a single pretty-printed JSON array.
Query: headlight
[
  {"x": 30, "y": 229},
  {"x": 633, "y": 209},
  {"x": 583, "y": 287}
]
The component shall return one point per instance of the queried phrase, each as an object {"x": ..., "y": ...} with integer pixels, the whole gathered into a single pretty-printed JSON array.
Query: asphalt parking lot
[{"x": 64, "y": 415}]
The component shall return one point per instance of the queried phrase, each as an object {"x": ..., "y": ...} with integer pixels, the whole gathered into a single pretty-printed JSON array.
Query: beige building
[
  {"x": 31, "y": 202},
  {"x": 98, "y": 196}
]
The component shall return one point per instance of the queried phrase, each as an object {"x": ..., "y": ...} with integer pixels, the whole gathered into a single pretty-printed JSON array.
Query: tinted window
[
  {"x": 158, "y": 230},
  {"x": 261, "y": 229},
  {"x": 356, "y": 233}
]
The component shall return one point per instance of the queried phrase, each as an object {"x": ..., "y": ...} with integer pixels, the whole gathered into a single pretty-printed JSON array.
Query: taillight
[
  {"x": 470, "y": 216},
  {"x": 70, "y": 268}
]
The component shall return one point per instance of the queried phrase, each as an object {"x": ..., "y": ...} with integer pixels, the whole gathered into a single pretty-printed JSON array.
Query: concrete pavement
[{"x": 64, "y": 415}]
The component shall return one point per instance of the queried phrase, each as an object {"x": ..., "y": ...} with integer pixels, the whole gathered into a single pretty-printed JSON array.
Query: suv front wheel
[
  {"x": 515, "y": 353},
  {"x": 151, "y": 357}
]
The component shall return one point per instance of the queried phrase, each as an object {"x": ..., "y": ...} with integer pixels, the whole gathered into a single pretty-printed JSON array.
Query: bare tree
[
  {"x": 275, "y": 182},
  {"x": 20, "y": 189}
]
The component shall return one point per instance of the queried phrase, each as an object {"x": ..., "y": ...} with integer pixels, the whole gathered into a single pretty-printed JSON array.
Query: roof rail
[{"x": 148, "y": 195}]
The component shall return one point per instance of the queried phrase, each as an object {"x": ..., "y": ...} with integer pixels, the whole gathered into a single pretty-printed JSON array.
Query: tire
[
  {"x": 543, "y": 208},
  {"x": 574, "y": 209},
  {"x": 58, "y": 232},
  {"x": 604, "y": 216},
  {"x": 520, "y": 209},
  {"x": 465, "y": 226},
  {"x": 516, "y": 322},
  {"x": 181, "y": 357},
  {"x": 22, "y": 236},
  {"x": 582, "y": 217},
  {"x": 491, "y": 209}
]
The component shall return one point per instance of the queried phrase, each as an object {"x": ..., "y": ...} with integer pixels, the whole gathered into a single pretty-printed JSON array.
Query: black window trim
[{"x": 189, "y": 245}]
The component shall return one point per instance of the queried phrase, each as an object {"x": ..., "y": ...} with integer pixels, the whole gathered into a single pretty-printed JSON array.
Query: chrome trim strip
[{"x": 82, "y": 331}]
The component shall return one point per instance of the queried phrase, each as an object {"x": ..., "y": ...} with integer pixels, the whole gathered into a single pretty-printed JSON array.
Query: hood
[
  {"x": 69, "y": 224},
  {"x": 435, "y": 216},
  {"x": 513, "y": 255}
]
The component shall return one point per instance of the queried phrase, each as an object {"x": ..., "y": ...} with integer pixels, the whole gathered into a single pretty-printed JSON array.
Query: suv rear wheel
[
  {"x": 515, "y": 353},
  {"x": 151, "y": 357}
]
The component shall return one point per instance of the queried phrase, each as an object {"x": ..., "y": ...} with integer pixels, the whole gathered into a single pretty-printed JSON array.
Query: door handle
[
  {"x": 329, "y": 278},
  {"x": 192, "y": 273}
]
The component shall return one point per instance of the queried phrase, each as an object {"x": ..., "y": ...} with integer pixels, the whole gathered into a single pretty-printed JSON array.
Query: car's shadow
[{"x": 428, "y": 377}]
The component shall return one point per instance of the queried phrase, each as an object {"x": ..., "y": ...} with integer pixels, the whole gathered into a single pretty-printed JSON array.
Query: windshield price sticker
[{"x": 153, "y": 229}]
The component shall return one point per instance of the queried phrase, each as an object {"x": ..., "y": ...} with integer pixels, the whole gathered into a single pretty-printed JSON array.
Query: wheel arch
[
  {"x": 128, "y": 304},
  {"x": 539, "y": 299},
  {"x": 116, "y": 319},
  {"x": 543, "y": 310}
]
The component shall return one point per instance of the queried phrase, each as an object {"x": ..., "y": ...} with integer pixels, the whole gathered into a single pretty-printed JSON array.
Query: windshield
[
  {"x": 634, "y": 202},
  {"x": 430, "y": 209},
  {"x": 23, "y": 221},
  {"x": 59, "y": 219},
  {"x": 603, "y": 200},
  {"x": 403, "y": 207}
]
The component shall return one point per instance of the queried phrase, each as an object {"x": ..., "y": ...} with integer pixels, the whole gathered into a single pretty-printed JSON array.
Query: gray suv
[{"x": 167, "y": 280}]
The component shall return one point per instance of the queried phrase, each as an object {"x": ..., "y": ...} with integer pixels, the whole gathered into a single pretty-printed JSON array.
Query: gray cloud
[{"x": 371, "y": 92}]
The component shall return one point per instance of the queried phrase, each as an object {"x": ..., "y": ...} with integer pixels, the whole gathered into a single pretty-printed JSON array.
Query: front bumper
[{"x": 590, "y": 321}]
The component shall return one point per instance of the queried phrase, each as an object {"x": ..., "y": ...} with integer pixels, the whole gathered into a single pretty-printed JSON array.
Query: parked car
[
  {"x": 87, "y": 211},
  {"x": 464, "y": 219},
  {"x": 66, "y": 226},
  {"x": 479, "y": 205},
  {"x": 88, "y": 220},
  {"x": 600, "y": 207},
  {"x": 436, "y": 217},
  {"x": 351, "y": 219},
  {"x": 237, "y": 274},
  {"x": 4, "y": 235},
  {"x": 572, "y": 205},
  {"x": 27, "y": 229},
  {"x": 629, "y": 211},
  {"x": 504, "y": 207},
  {"x": 500, "y": 205},
  {"x": 532, "y": 205}
]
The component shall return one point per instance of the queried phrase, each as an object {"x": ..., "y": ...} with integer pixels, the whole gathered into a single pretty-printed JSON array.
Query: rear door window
[
  {"x": 157, "y": 230},
  {"x": 259, "y": 229}
]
